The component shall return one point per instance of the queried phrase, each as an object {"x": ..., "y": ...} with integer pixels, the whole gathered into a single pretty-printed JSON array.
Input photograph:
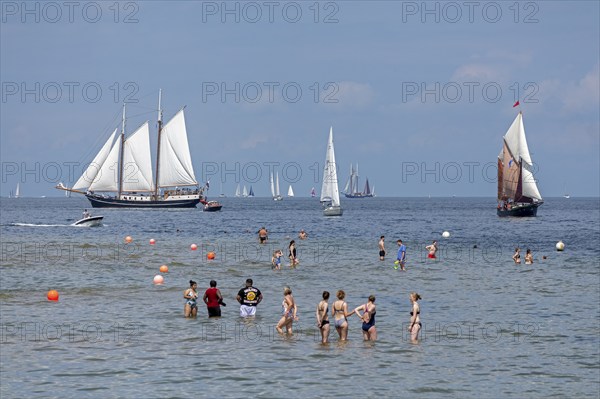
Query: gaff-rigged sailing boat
[
  {"x": 124, "y": 168},
  {"x": 351, "y": 189},
  {"x": 518, "y": 194},
  {"x": 330, "y": 193}
]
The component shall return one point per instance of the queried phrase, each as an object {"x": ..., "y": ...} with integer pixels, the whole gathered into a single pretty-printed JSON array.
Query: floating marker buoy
[
  {"x": 128, "y": 239},
  {"x": 158, "y": 279},
  {"x": 152, "y": 241},
  {"x": 211, "y": 255},
  {"x": 193, "y": 247},
  {"x": 164, "y": 269},
  {"x": 445, "y": 234},
  {"x": 560, "y": 246},
  {"x": 53, "y": 295}
]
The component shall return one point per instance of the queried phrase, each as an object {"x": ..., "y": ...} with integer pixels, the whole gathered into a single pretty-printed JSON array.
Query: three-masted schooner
[
  {"x": 120, "y": 176},
  {"x": 518, "y": 194},
  {"x": 351, "y": 189}
]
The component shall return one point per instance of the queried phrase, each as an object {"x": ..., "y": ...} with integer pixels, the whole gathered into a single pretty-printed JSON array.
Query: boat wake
[{"x": 38, "y": 225}]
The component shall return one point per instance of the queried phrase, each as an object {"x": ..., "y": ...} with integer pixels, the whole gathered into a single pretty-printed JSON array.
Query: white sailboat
[
  {"x": 18, "y": 191},
  {"x": 275, "y": 188},
  {"x": 330, "y": 194},
  {"x": 290, "y": 191},
  {"x": 123, "y": 167},
  {"x": 245, "y": 192},
  {"x": 238, "y": 192},
  {"x": 222, "y": 194},
  {"x": 518, "y": 194}
]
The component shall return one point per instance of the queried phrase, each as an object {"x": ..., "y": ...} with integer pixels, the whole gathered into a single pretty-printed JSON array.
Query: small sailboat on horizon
[
  {"x": 313, "y": 192},
  {"x": 251, "y": 192},
  {"x": 290, "y": 191}
]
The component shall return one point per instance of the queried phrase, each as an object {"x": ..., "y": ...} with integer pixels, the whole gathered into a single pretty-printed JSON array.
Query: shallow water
[{"x": 490, "y": 328}]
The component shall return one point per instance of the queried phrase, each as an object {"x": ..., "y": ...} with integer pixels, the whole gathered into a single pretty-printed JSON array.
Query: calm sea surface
[{"x": 491, "y": 329}]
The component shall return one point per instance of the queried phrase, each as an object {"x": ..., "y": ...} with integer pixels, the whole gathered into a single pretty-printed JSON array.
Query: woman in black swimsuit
[
  {"x": 323, "y": 317},
  {"x": 415, "y": 320},
  {"x": 517, "y": 256}
]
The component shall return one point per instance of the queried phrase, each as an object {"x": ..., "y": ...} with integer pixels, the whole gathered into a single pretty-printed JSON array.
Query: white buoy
[
  {"x": 158, "y": 279},
  {"x": 560, "y": 246},
  {"x": 445, "y": 234}
]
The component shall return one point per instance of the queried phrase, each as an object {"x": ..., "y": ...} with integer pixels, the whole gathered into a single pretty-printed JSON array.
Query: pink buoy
[
  {"x": 152, "y": 241},
  {"x": 158, "y": 279},
  {"x": 193, "y": 247}
]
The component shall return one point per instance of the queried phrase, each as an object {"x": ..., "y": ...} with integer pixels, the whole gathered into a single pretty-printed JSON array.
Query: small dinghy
[{"x": 91, "y": 221}]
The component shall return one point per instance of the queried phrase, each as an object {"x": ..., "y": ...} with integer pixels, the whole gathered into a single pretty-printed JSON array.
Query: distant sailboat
[
  {"x": 290, "y": 191},
  {"x": 351, "y": 189},
  {"x": 251, "y": 192},
  {"x": 330, "y": 194},
  {"x": 222, "y": 195},
  {"x": 245, "y": 192},
  {"x": 313, "y": 192},
  {"x": 238, "y": 193},
  {"x": 123, "y": 167},
  {"x": 275, "y": 188},
  {"x": 518, "y": 194},
  {"x": 18, "y": 191}
]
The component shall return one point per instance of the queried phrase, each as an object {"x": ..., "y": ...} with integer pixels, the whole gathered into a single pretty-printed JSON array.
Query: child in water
[{"x": 276, "y": 259}]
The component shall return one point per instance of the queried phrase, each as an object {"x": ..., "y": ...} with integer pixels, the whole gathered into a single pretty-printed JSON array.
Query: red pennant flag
[{"x": 517, "y": 103}]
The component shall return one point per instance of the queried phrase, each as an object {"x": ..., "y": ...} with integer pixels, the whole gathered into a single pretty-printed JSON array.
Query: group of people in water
[
  {"x": 517, "y": 256},
  {"x": 249, "y": 297}
]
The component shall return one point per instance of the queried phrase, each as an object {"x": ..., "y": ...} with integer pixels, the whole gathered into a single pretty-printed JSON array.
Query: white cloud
[
  {"x": 346, "y": 94},
  {"x": 583, "y": 95}
]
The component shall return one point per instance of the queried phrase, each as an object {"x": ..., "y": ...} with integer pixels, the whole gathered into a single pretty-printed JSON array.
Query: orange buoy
[
  {"x": 158, "y": 279},
  {"x": 193, "y": 247},
  {"x": 128, "y": 239},
  {"x": 152, "y": 241},
  {"x": 53, "y": 295},
  {"x": 164, "y": 269},
  {"x": 211, "y": 255}
]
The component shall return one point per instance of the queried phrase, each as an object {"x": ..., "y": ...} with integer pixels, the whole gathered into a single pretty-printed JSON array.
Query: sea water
[{"x": 490, "y": 328}]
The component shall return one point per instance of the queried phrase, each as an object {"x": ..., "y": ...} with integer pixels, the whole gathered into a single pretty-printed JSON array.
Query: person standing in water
[
  {"x": 190, "y": 309},
  {"x": 339, "y": 312},
  {"x": 401, "y": 258},
  {"x": 432, "y": 248},
  {"x": 213, "y": 299},
  {"x": 249, "y": 298},
  {"x": 415, "y": 320},
  {"x": 528, "y": 257},
  {"x": 323, "y": 317},
  {"x": 368, "y": 318},
  {"x": 382, "y": 248},
  {"x": 263, "y": 235},
  {"x": 289, "y": 312},
  {"x": 517, "y": 256},
  {"x": 276, "y": 259},
  {"x": 292, "y": 254}
]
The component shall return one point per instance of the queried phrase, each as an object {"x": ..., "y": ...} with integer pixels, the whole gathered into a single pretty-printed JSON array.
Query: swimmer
[
  {"x": 213, "y": 299},
  {"x": 292, "y": 254},
  {"x": 276, "y": 259},
  {"x": 401, "y": 258},
  {"x": 339, "y": 312},
  {"x": 415, "y": 320},
  {"x": 517, "y": 256},
  {"x": 528, "y": 257},
  {"x": 432, "y": 248},
  {"x": 302, "y": 235},
  {"x": 190, "y": 308},
  {"x": 382, "y": 248},
  {"x": 263, "y": 235},
  {"x": 323, "y": 317},
  {"x": 289, "y": 310},
  {"x": 368, "y": 318}
]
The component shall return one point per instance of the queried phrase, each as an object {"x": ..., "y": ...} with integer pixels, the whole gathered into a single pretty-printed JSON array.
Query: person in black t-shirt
[{"x": 248, "y": 298}]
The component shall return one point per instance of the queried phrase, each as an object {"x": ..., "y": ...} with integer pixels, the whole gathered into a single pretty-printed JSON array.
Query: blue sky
[{"x": 359, "y": 66}]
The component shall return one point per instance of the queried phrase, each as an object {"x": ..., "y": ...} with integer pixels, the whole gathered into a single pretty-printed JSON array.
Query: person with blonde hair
[
  {"x": 289, "y": 312},
  {"x": 415, "y": 320}
]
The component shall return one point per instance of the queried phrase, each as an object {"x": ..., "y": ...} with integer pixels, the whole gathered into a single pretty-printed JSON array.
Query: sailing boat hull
[
  {"x": 101, "y": 202},
  {"x": 333, "y": 211},
  {"x": 358, "y": 195},
  {"x": 519, "y": 210}
]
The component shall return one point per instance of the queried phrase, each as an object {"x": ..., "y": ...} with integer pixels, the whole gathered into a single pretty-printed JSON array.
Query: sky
[{"x": 419, "y": 94}]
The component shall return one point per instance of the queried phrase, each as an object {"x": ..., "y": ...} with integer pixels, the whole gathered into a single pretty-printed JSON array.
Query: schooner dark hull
[
  {"x": 519, "y": 210},
  {"x": 358, "y": 195},
  {"x": 101, "y": 202}
]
